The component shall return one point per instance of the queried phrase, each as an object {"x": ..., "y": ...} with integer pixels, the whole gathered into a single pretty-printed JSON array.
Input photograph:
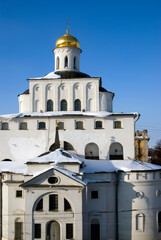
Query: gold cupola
[{"x": 67, "y": 41}]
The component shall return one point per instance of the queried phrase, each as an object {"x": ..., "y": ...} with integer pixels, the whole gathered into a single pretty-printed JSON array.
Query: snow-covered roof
[
  {"x": 87, "y": 166},
  {"x": 56, "y": 157},
  {"x": 50, "y": 75},
  {"x": 101, "y": 114},
  {"x": 13, "y": 167},
  {"x": 98, "y": 166}
]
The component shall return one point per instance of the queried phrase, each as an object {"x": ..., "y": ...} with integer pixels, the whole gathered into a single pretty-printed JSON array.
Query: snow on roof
[
  {"x": 94, "y": 166},
  {"x": 100, "y": 114},
  {"x": 56, "y": 157},
  {"x": 98, "y": 166},
  {"x": 50, "y": 75},
  {"x": 13, "y": 167}
]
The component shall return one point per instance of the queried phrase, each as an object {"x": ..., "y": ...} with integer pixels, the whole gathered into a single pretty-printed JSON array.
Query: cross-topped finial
[{"x": 67, "y": 26}]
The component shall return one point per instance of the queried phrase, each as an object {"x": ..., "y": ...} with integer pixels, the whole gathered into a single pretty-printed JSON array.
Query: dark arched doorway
[
  {"x": 92, "y": 151},
  {"x": 53, "y": 231},
  {"x": 116, "y": 151}
]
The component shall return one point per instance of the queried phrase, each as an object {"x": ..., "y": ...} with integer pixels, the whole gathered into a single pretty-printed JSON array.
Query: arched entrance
[
  {"x": 116, "y": 151},
  {"x": 53, "y": 231},
  {"x": 92, "y": 151}
]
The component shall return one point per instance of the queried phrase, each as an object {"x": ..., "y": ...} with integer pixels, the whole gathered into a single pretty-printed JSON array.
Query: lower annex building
[{"x": 68, "y": 168}]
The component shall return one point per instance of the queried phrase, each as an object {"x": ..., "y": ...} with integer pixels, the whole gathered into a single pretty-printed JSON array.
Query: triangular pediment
[{"x": 54, "y": 177}]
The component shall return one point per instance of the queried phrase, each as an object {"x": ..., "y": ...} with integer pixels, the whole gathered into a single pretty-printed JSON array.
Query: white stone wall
[
  {"x": 86, "y": 89},
  {"x": 23, "y": 208},
  {"x": 70, "y": 52},
  {"x": 21, "y": 145},
  {"x": 139, "y": 193}
]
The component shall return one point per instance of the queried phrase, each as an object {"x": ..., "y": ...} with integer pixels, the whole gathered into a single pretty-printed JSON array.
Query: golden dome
[{"x": 67, "y": 41}]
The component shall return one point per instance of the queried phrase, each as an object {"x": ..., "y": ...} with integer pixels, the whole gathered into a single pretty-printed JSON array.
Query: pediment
[{"x": 54, "y": 177}]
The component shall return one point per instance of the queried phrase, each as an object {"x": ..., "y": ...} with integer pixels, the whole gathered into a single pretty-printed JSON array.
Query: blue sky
[{"x": 120, "y": 42}]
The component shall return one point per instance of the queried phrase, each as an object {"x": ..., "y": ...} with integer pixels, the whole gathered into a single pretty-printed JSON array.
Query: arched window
[
  {"x": 18, "y": 229},
  {"x": 49, "y": 105},
  {"x": 68, "y": 146},
  {"x": 98, "y": 124},
  {"x": 23, "y": 126},
  {"x": 159, "y": 222},
  {"x": 42, "y": 125},
  {"x": 74, "y": 63},
  {"x": 39, "y": 206},
  {"x": 140, "y": 222},
  {"x": 116, "y": 151},
  {"x": 92, "y": 151},
  {"x": 117, "y": 124},
  {"x": 67, "y": 206},
  {"x": 66, "y": 62},
  {"x": 63, "y": 105},
  {"x": 95, "y": 229},
  {"x": 7, "y": 160},
  {"x": 77, "y": 105},
  {"x": 57, "y": 63},
  {"x": 79, "y": 125},
  {"x": 4, "y": 126}
]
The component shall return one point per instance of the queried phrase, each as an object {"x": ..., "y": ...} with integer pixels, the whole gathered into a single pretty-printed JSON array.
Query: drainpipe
[{"x": 116, "y": 205}]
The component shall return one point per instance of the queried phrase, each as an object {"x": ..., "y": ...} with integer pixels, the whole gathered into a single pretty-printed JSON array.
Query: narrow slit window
[
  {"x": 74, "y": 62},
  {"x": 57, "y": 63},
  {"x": 49, "y": 105},
  {"x": 63, "y": 105},
  {"x": 66, "y": 62},
  {"x": 77, "y": 105}
]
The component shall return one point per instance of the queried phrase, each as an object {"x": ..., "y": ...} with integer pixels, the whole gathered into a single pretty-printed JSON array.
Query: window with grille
[
  {"x": 23, "y": 126},
  {"x": 42, "y": 125},
  {"x": 79, "y": 125},
  {"x": 98, "y": 124},
  {"x": 4, "y": 126},
  {"x": 53, "y": 202},
  {"x": 37, "y": 230},
  {"x": 49, "y": 105},
  {"x": 63, "y": 104},
  {"x": 117, "y": 124},
  {"x": 77, "y": 105},
  {"x": 69, "y": 230}
]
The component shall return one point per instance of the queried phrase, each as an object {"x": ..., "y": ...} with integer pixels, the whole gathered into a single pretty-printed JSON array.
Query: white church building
[{"x": 67, "y": 162}]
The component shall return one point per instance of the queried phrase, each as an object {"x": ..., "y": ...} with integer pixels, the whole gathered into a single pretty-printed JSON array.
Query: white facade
[{"x": 91, "y": 190}]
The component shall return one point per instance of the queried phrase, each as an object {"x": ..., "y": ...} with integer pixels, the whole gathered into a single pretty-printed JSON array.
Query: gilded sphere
[{"x": 67, "y": 41}]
